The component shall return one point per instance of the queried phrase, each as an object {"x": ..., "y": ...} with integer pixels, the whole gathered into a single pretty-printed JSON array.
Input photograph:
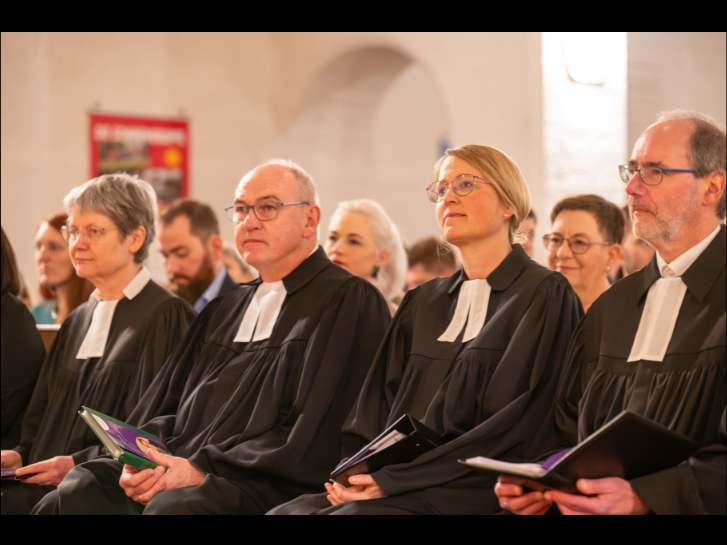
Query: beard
[
  {"x": 197, "y": 285},
  {"x": 669, "y": 226}
]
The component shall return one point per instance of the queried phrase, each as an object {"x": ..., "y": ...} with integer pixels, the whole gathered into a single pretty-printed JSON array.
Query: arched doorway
[{"x": 371, "y": 123}]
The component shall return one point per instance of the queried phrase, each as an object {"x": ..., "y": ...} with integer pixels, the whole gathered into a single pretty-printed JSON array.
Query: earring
[{"x": 375, "y": 271}]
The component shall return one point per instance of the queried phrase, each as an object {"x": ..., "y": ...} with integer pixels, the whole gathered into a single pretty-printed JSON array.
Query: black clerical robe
[
  {"x": 488, "y": 396},
  {"x": 22, "y": 356},
  {"x": 144, "y": 331},
  {"x": 262, "y": 419},
  {"x": 685, "y": 392}
]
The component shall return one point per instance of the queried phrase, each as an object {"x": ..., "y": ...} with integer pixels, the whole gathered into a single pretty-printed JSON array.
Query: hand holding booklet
[
  {"x": 126, "y": 443},
  {"x": 628, "y": 446},
  {"x": 401, "y": 442}
]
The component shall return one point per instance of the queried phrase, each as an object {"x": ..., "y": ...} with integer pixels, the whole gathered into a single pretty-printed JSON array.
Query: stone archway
[{"x": 371, "y": 123}]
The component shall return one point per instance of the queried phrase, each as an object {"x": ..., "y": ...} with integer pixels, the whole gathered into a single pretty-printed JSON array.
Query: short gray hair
[
  {"x": 706, "y": 145},
  {"x": 127, "y": 200},
  {"x": 392, "y": 275}
]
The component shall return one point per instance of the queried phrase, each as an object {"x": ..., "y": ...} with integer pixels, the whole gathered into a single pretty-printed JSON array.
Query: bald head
[
  {"x": 288, "y": 174},
  {"x": 667, "y": 139}
]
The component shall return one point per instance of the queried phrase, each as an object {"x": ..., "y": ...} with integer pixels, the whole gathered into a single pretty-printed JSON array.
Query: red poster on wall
[{"x": 155, "y": 149}]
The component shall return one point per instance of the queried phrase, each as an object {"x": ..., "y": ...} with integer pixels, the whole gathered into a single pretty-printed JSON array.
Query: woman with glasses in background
[
  {"x": 475, "y": 357},
  {"x": 109, "y": 349},
  {"x": 585, "y": 243}
]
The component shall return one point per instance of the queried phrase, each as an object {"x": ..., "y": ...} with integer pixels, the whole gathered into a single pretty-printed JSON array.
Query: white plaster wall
[
  {"x": 675, "y": 70},
  {"x": 242, "y": 92},
  {"x": 220, "y": 82},
  {"x": 457, "y": 85}
]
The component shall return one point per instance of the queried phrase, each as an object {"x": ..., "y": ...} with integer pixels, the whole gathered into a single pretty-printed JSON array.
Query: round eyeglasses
[{"x": 463, "y": 185}]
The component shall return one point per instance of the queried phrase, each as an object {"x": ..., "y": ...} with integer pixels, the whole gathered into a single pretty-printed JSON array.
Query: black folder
[
  {"x": 628, "y": 446},
  {"x": 401, "y": 442}
]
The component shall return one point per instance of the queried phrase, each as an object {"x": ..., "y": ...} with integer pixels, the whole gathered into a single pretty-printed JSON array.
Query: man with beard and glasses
[
  {"x": 192, "y": 248},
  {"x": 654, "y": 343}
]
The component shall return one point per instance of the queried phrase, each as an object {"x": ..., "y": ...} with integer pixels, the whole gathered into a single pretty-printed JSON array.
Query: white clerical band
[
  {"x": 262, "y": 312},
  {"x": 94, "y": 343},
  {"x": 98, "y": 333},
  {"x": 472, "y": 301},
  {"x": 657, "y": 323}
]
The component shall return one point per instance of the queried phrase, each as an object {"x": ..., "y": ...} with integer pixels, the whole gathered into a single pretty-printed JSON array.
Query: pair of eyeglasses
[
  {"x": 462, "y": 185},
  {"x": 649, "y": 175},
  {"x": 264, "y": 210},
  {"x": 577, "y": 245},
  {"x": 91, "y": 233}
]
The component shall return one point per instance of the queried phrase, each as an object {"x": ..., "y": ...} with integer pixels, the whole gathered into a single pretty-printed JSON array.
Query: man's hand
[
  {"x": 179, "y": 471},
  {"x": 362, "y": 487},
  {"x": 141, "y": 484},
  {"x": 171, "y": 472},
  {"x": 47, "y": 472},
  {"x": 514, "y": 499},
  {"x": 608, "y": 496}
]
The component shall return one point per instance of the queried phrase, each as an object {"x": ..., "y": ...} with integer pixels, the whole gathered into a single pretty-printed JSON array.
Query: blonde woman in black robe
[{"x": 475, "y": 357}]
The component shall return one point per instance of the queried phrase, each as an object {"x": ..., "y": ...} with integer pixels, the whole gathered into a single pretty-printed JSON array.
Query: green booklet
[{"x": 126, "y": 443}]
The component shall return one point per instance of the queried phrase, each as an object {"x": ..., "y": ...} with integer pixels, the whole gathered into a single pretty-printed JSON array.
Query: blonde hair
[
  {"x": 392, "y": 275},
  {"x": 499, "y": 169}
]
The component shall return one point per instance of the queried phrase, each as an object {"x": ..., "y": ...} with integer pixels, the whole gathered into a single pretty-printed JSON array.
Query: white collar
[
  {"x": 472, "y": 302},
  {"x": 680, "y": 265},
  {"x": 262, "y": 312},
  {"x": 134, "y": 287}
]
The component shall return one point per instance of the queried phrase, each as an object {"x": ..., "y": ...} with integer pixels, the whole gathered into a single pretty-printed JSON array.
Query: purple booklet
[
  {"x": 126, "y": 443},
  {"x": 11, "y": 474}
]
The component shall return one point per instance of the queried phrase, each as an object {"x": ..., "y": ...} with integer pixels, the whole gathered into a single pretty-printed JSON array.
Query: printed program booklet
[
  {"x": 126, "y": 443},
  {"x": 628, "y": 446},
  {"x": 401, "y": 442}
]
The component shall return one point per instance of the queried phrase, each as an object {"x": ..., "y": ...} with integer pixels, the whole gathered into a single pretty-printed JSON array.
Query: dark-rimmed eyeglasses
[
  {"x": 462, "y": 185},
  {"x": 577, "y": 245},
  {"x": 265, "y": 210},
  {"x": 649, "y": 175}
]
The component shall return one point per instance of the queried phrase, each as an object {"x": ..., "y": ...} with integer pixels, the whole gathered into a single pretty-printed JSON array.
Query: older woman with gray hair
[
  {"x": 109, "y": 349},
  {"x": 363, "y": 240}
]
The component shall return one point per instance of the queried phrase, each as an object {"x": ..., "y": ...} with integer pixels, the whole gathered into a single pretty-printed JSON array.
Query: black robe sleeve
[
  {"x": 39, "y": 400},
  {"x": 22, "y": 357},
  {"x": 369, "y": 415},
  {"x": 570, "y": 389},
  {"x": 182, "y": 371},
  {"x": 696, "y": 486}
]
